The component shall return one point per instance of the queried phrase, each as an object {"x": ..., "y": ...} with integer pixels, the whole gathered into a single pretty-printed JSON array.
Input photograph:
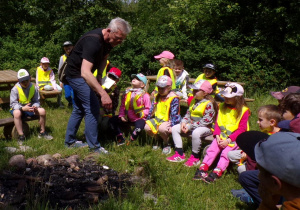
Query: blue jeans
[
  {"x": 69, "y": 95},
  {"x": 86, "y": 106}
]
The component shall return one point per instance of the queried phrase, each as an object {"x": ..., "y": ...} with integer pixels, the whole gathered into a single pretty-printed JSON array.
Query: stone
[
  {"x": 18, "y": 161},
  {"x": 44, "y": 159},
  {"x": 32, "y": 162},
  {"x": 73, "y": 159},
  {"x": 56, "y": 156}
]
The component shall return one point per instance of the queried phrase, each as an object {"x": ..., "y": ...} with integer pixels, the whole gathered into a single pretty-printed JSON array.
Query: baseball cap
[
  {"x": 163, "y": 81},
  {"x": 279, "y": 156},
  {"x": 290, "y": 125},
  {"x": 115, "y": 72},
  {"x": 291, "y": 89},
  {"x": 247, "y": 141},
  {"x": 209, "y": 66},
  {"x": 45, "y": 60},
  {"x": 232, "y": 89},
  {"x": 23, "y": 75},
  {"x": 67, "y": 43},
  {"x": 202, "y": 85},
  {"x": 141, "y": 77},
  {"x": 165, "y": 54}
]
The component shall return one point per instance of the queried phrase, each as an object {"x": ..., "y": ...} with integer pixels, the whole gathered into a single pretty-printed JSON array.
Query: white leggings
[{"x": 196, "y": 136}]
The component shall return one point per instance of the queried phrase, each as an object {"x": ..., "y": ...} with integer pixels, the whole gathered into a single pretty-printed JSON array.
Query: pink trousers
[{"x": 213, "y": 151}]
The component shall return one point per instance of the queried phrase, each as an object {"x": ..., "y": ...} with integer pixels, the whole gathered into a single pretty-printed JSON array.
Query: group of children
[{"x": 161, "y": 118}]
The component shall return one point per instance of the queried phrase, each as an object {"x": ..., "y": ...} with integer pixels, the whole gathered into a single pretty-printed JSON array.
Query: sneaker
[
  {"x": 246, "y": 198},
  {"x": 121, "y": 142},
  {"x": 176, "y": 157},
  {"x": 155, "y": 147},
  {"x": 238, "y": 193},
  {"x": 77, "y": 144},
  {"x": 100, "y": 150},
  {"x": 45, "y": 135},
  {"x": 200, "y": 174},
  {"x": 192, "y": 161},
  {"x": 167, "y": 150},
  {"x": 21, "y": 138},
  {"x": 217, "y": 173}
]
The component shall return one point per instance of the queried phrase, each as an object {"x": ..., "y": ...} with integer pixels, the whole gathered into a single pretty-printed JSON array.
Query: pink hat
[
  {"x": 232, "y": 90},
  {"x": 45, "y": 60},
  {"x": 165, "y": 54},
  {"x": 291, "y": 89},
  {"x": 164, "y": 81},
  {"x": 202, "y": 85}
]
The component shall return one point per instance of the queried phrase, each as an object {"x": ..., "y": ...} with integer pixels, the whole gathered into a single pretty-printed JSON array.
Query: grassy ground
[{"x": 169, "y": 184}]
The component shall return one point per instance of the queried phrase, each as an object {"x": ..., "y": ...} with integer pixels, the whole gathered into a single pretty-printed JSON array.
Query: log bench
[{"x": 10, "y": 130}]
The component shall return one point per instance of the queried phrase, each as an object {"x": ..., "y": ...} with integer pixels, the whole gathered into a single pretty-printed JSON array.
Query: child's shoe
[
  {"x": 192, "y": 161},
  {"x": 176, "y": 157},
  {"x": 120, "y": 140},
  {"x": 217, "y": 173},
  {"x": 201, "y": 173},
  {"x": 45, "y": 135},
  {"x": 167, "y": 150}
]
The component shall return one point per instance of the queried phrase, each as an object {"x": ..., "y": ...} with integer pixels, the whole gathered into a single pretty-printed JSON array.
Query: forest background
[{"x": 256, "y": 42}]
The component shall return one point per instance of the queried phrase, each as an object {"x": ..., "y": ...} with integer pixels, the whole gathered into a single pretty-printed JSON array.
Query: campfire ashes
[{"x": 63, "y": 183}]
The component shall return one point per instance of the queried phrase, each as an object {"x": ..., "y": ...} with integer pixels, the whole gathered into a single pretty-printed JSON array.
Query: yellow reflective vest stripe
[
  {"x": 22, "y": 97},
  {"x": 197, "y": 112},
  {"x": 104, "y": 71},
  {"x": 161, "y": 73},
  {"x": 43, "y": 77},
  {"x": 128, "y": 100},
  {"x": 211, "y": 81},
  {"x": 64, "y": 57},
  {"x": 162, "y": 114},
  {"x": 228, "y": 121}
]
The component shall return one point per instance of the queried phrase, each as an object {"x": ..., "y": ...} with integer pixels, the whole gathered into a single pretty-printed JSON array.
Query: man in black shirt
[{"x": 90, "y": 53}]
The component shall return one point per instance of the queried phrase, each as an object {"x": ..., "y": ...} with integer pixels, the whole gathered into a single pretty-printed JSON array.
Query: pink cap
[
  {"x": 164, "y": 81},
  {"x": 232, "y": 90},
  {"x": 202, "y": 85},
  {"x": 165, "y": 54},
  {"x": 291, "y": 89},
  {"x": 45, "y": 60}
]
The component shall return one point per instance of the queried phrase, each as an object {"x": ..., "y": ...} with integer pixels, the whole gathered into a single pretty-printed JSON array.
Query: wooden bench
[
  {"x": 10, "y": 130},
  {"x": 48, "y": 94}
]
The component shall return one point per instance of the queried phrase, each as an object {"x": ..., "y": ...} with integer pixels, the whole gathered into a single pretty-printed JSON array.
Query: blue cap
[{"x": 141, "y": 77}]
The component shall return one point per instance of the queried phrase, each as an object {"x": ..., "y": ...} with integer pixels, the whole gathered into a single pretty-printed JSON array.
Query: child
[
  {"x": 165, "y": 60},
  {"x": 290, "y": 106},
  {"x": 164, "y": 113},
  {"x": 268, "y": 118},
  {"x": 134, "y": 109},
  {"x": 208, "y": 74},
  {"x": 24, "y": 102},
  {"x": 45, "y": 78},
  {"x": 182, "y": 79},
  {"x": 197, "y": 121},
  {"x": 232, "y": 120},
  {"x": 69, "y": 95}
]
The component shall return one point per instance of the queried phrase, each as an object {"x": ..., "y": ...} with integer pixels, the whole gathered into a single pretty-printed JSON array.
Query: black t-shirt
[{"x": 88, "y": 48}]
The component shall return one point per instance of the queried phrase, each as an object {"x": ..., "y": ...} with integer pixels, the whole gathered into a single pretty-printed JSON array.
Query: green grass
[{"x": 170, "y": 183}]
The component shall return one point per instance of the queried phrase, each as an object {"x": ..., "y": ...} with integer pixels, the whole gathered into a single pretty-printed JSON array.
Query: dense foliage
[{"x": 249, "y": 41}]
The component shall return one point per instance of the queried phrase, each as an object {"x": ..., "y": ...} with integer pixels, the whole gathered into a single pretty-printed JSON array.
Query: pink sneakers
[
  {"x": 176, "y": 157},
  {"x": 192, "y": 161}
]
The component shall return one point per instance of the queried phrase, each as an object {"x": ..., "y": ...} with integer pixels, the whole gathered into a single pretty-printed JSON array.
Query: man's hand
[{"x": 106, "y": 101}]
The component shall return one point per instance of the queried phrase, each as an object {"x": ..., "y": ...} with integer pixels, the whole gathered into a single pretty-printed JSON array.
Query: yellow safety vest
[
  {"x": 22, "y": 97},
  {"x": 162, "y": 114},
  {"x": 137, "y": 109},
  {"x": 228, "y": 121},
  {"x": 43, "y": 77},
  {"x": 197, "y": 112},
  {"x": 64, "y": 57},
  {"x": 211, "y": 81},
  {"x": 104, "y": 71},
  {"x": 161, "y": 72}
]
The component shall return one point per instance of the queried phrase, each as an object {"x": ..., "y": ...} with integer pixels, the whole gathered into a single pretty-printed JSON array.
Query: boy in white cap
[
  {"x": 45, "y": 78},
  {"x": 279, "y": 170},
  {"x": 24, "y": 102}
]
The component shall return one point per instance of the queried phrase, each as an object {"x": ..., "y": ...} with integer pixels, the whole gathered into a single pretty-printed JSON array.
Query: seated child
[
  {"x": 208, "y": 74},
  {"x": 166, "y": 61},
  {"x": 24, "y": 102},
  {"x": 197, "y": 121},
  {"x": 281, "y": 94},
  {"x": 164, "y": 113},
  {"x": 182, "y": 79},
  {"x": 134, "y": 109},
  {"x": 232, "y": 120},
  {"x": 290, "y": 106},
  {"x": 45, "y": 78},
  {"x": 268, "y": 118}
]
